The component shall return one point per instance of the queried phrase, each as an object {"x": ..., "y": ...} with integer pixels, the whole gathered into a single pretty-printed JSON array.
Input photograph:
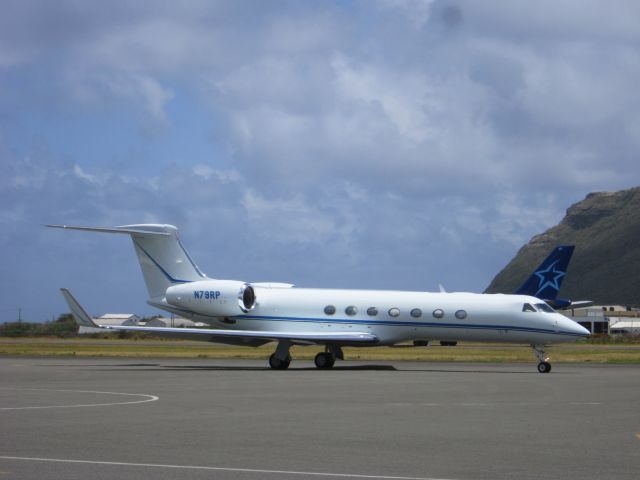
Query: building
[
  {"x": 606, "y": 319},
  {"x": 174, "y": 322},
  {"x": 129, "y": 319},
  {"x": 625, "y": 323}
]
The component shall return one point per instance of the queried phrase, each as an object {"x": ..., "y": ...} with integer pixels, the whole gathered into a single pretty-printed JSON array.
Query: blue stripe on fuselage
[{"x": 397, "y": 323}]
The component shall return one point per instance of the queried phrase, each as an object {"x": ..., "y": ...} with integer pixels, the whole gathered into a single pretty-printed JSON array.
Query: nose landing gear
[{"x": 544, "y": 366}]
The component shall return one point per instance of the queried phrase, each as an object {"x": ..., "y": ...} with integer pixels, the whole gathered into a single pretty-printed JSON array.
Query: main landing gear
[
  {"x": 544, "y": 366},
  {"x": 324, "y": 360},
  {"x": 281, "y": 359},
  {"x": 278, "y": 364},
  {"x": 327, "y": 358}
]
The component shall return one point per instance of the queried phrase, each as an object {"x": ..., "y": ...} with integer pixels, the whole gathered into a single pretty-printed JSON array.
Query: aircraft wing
[{"x": 211, "y": 334}]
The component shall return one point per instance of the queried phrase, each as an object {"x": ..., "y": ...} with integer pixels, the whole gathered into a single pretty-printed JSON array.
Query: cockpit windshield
[
  {"x": 527, "y": 307},
  {"x": 543, "y": 307}
]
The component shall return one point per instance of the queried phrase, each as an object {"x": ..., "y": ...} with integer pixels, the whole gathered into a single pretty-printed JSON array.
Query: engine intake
[{"x": 247, "y": 298}]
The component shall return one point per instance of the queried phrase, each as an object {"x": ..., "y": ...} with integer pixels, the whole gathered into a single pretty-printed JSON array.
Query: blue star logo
[{"x": 549, "y": 278}]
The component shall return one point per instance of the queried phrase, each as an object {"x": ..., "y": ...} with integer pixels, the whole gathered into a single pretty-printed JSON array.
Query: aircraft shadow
[
  {"x": 159, "y": 367},
  {"x": 294, "y": 369},
  {"x": 446, "y": 370}
]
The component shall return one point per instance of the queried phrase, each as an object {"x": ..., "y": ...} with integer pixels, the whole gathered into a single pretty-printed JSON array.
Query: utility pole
[{"x": 19, "y": 314}]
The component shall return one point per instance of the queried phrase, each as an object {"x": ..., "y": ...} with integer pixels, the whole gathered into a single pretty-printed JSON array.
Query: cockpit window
[
  {"x": 527, "y": 307},
  {"x": 543, "y": 307}
]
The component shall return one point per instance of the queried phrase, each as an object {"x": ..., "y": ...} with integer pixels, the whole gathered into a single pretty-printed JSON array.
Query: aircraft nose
[
  {"x": 575, "y": 327},
  {"x": 582, "y": 330}
]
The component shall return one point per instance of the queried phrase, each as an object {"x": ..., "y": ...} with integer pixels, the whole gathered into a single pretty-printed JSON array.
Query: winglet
[{"x": 79, "y": 313}]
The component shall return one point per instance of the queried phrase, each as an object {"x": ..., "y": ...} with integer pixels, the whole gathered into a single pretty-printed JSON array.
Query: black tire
[
  {"x": 332, "y": 360},
  {"x": 445, "y": 343},
  {"x": 324, "y": 360},
  {"x": 544, "y": 367},
  {"x": 278, "y": 364}
]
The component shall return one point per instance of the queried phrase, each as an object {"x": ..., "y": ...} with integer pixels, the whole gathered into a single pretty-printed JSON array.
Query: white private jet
[{"x": 257, "y": 313}]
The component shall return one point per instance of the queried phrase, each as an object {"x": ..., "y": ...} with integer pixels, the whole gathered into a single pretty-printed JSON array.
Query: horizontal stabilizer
[
  {"x": 163, "y": 259},
  {"x": 581, "y": 303},
  {"x": 571, "y": 305},
  {"x": 123, "y": 229},
  {"x": 79, "y": 314}
]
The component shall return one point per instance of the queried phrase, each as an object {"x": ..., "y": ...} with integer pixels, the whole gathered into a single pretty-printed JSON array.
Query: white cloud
[
  {"x": 287, "y": 221},
  {"x": 405, "y": 98},
  {"x": 398, "y": 138},
  {"x": 78, "y": 172},
  {"x": 416, "y": 11},
  {"x": 143, "y": 92},
  {"x": 224, "y": 176}
]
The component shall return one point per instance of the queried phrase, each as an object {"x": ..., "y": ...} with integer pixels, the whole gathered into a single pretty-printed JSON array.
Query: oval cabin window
[
  {"x": 438, "y": 313},
  {"x": 351, "y": 310},
  {"x": 329, "y": 309},
  {"x": 416, "y": 313},
  {"x": 394, "y": 312},
  {"x": 460, "y": 314}
]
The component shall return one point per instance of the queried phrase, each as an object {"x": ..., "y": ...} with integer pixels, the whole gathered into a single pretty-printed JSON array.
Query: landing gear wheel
[
  {"x": 544, "y": 367},
  {"x": 324, "y": 360},
  {"x": 277, "y": 364}
]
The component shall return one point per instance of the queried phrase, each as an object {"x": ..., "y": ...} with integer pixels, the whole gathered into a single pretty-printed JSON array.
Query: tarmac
[{"x": 105, "y": 418}]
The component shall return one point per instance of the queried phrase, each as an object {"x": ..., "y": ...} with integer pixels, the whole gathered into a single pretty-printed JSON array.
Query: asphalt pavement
[{"x": 79, "y": 418}]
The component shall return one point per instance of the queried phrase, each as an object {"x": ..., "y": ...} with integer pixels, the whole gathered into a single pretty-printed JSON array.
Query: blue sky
[{"x": 375, "y": 144}]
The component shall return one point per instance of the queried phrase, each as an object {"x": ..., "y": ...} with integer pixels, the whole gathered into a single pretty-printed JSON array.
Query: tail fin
[
  {"x": 81, "y": 317},
  {"x": 545, "y": 282},
  {"x": 163, "y": 259}
]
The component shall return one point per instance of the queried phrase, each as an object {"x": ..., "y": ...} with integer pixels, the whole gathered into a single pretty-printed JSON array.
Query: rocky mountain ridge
[{"x": 605, "y": 268}]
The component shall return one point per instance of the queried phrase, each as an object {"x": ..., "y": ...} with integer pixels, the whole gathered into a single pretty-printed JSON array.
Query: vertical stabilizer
[
  {"x": 163, "y": 259},
  {"x": 545, "y": 282}
]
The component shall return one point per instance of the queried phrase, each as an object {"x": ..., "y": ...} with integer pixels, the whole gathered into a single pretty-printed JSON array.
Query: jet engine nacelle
[{"x": 219, "y": 298}]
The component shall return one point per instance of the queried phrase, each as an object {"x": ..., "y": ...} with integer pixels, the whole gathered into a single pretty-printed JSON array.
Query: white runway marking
[
  {"x": 223, "y": 469},
  {"x": 147, "y": 398}
]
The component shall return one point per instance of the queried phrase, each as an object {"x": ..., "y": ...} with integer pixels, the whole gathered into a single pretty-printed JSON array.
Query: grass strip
[{"x": 466, "y": 352}]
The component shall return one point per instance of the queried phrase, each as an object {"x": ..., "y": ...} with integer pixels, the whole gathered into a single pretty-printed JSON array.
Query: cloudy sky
[{"x": 374, "y": 144}]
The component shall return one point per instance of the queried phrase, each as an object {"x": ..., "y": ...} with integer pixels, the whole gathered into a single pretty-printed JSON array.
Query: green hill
[{"x": 605, "y": 268}]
